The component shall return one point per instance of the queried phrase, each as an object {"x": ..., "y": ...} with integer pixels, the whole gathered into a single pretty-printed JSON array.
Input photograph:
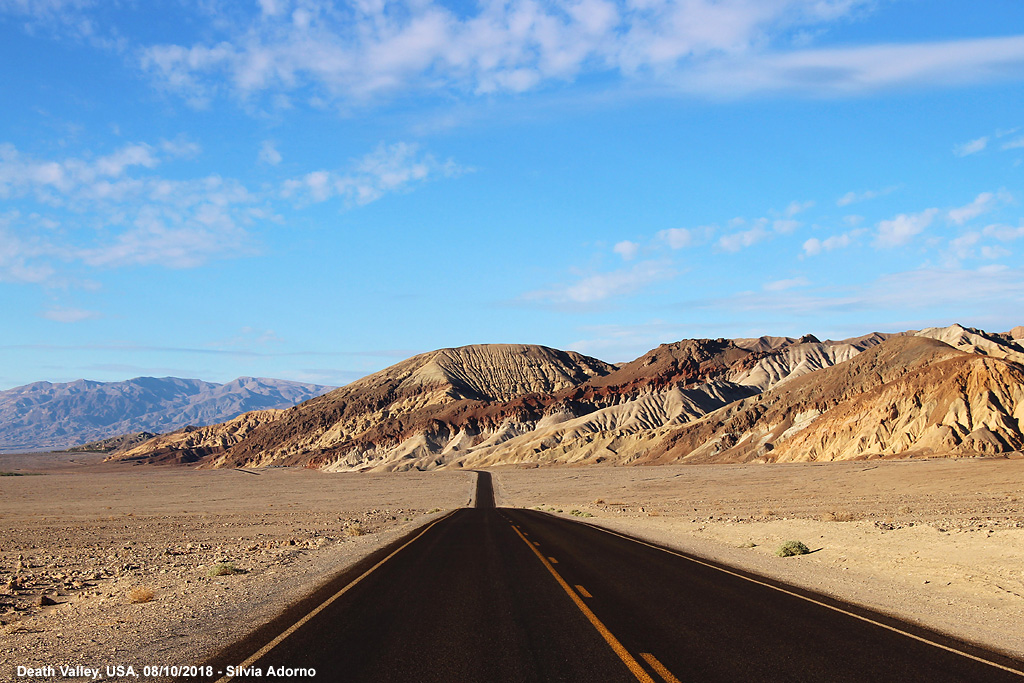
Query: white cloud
[
  {"x": 57, "y": 181},
  {"x": 956, "y": 291},
  {"x": 796, "y": 207},
  {"x": 390, "y": 168},
  {"x": 112, "y": 210},
  {"x": 736, "y": 241},
  {"x": 626, "y": 249},
  {"x": 901, "y": 229},
  {"x": 1004, "y": 233},
  {"x": 994, "y": 252},
  {"x": 785, "y": 226},
  {"x": 20, "y": 257},
  {"x": 971, "y": 147},
  {"x": 70, "y": 315},
  {"x": 853, "y": 70},
  {"x": 269, "y": 154},
  {"x": 1014, "y": 144},
  {"x": 603, "y": 286},
  {"x": 723, "y": 48},
  {"x": 983, "y": 203},
  {"x": 815, "y": 246},
  {"x": 782, "y": 285},
  {"x": 962, "y": 247},
  {"x": 678, "y": 238},
  {"x": 855, "y": 197}
]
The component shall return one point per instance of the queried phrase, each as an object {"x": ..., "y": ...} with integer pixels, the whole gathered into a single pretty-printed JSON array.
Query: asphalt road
[{"x": 493, "y": 594}]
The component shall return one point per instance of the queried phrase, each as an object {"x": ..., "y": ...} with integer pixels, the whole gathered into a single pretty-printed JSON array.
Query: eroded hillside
[{"x": 940, "y": 391}]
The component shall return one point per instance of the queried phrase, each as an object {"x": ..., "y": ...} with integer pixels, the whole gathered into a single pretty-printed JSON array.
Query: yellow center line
[
  {"x": 583, "y": 591},
  {"x": 298, "y": 624},
  {"x": 809, "y": 599},
  {"x": 613, "y": 642},
  {"x": 659, "y": 667},
  {"x": 552, "y": 560}
]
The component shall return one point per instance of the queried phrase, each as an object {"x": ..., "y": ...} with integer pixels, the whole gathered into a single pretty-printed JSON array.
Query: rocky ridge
[{"x": 938, "y": 391}]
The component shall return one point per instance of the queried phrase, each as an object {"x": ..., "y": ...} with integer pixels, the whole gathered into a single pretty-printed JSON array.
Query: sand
[{"x": 937, "y": 542}]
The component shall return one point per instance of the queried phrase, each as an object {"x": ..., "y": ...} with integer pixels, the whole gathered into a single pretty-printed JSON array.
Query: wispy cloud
[
  {"x": 390, "y": 168},
  {"x": 855, "y": 70},
  {"x": 111, "y": 211},
  {"x": 783, "y": 285},
  {"x": 722, "y": 48},
  {"x": 269, "y": 154},
  {"x": 1005, "y": 233},
  {"x": 856, "y": 197},
  {"x": 70, "y": 315},
  {"x": 115, "y": 210},
  {"x": 898, "y": 231},
  {"x": 598, "y": 287},
  {"x": 759, "y": 230},
  {"x": 678, "y": 238},
  {"x": 1016, "y": 143},
  {"x": 815, "y": 245},
  {"x": 954, "y": 290},
  {"x": 742, "y": 239},
  {"x": 368, "y": 48},
  {"x": 971, "y": 147},
  {"x": 983, "y": 203},
  {"x": 626, "y": 249}
]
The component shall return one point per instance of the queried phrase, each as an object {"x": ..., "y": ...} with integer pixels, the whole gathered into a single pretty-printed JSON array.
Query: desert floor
[
  {"x": 938, "y": 542},
  {"x": 92, "y": 536}
]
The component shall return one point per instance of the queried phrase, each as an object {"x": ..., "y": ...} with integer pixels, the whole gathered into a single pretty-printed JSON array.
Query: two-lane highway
[{"x": 496, "y": 594}]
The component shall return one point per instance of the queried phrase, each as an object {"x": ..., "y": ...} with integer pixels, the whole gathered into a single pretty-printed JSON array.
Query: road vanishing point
[{"x": 493, "y": 595}]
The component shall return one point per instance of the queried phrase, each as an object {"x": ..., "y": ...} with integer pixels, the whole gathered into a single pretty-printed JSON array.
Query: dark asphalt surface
[{"x": 470, "y": 600}]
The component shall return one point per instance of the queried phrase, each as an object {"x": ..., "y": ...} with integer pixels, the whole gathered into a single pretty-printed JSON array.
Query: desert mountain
[
  {"x": 46, "y": 415},
  {"x": 408, "y": 401},
  {"x": 908, "y": 396},
  {"x": 952, "y": 390}
]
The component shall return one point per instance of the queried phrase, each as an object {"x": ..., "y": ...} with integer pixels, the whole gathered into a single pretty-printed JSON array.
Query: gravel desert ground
[
  {"x": 93, "y": 537},
  {"x": 938, "y": 542}
]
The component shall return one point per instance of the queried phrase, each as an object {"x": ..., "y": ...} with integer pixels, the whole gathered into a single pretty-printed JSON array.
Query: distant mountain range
[
  {"x": 947, "y": 391},
  {"x": 47, "y": 415}
]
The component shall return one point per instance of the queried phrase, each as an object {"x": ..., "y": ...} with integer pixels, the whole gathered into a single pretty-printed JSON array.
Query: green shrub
[
  {"x": 790, "y": 548},
  {"x": 224, "y": 569},
  {"x": 580, "y": 513}
]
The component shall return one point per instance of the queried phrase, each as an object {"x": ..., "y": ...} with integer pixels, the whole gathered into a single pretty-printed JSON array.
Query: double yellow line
[{"x": 617, "y": 647}]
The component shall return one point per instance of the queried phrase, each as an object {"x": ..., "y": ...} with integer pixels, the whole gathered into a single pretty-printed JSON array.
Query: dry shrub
[
  {"x": 841, "y": 516},
  {"x": 354, "y": 530},
  {"x": 904, "y": 509},
  {"x": 140, "y": 594}
]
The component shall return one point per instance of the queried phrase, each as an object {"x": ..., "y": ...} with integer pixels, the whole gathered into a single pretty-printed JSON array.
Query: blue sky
[{"x": 313, "y": 190}]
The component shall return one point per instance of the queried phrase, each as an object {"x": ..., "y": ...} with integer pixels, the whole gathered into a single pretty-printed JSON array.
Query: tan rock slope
[
  {"x": 359, "y": 424},
  {"x": 940, "y": 391},
  {"x": 909, "y": 396}
]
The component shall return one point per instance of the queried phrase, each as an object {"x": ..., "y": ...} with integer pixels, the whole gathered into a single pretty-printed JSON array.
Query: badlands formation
[{"x": 952, "y": 391}]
